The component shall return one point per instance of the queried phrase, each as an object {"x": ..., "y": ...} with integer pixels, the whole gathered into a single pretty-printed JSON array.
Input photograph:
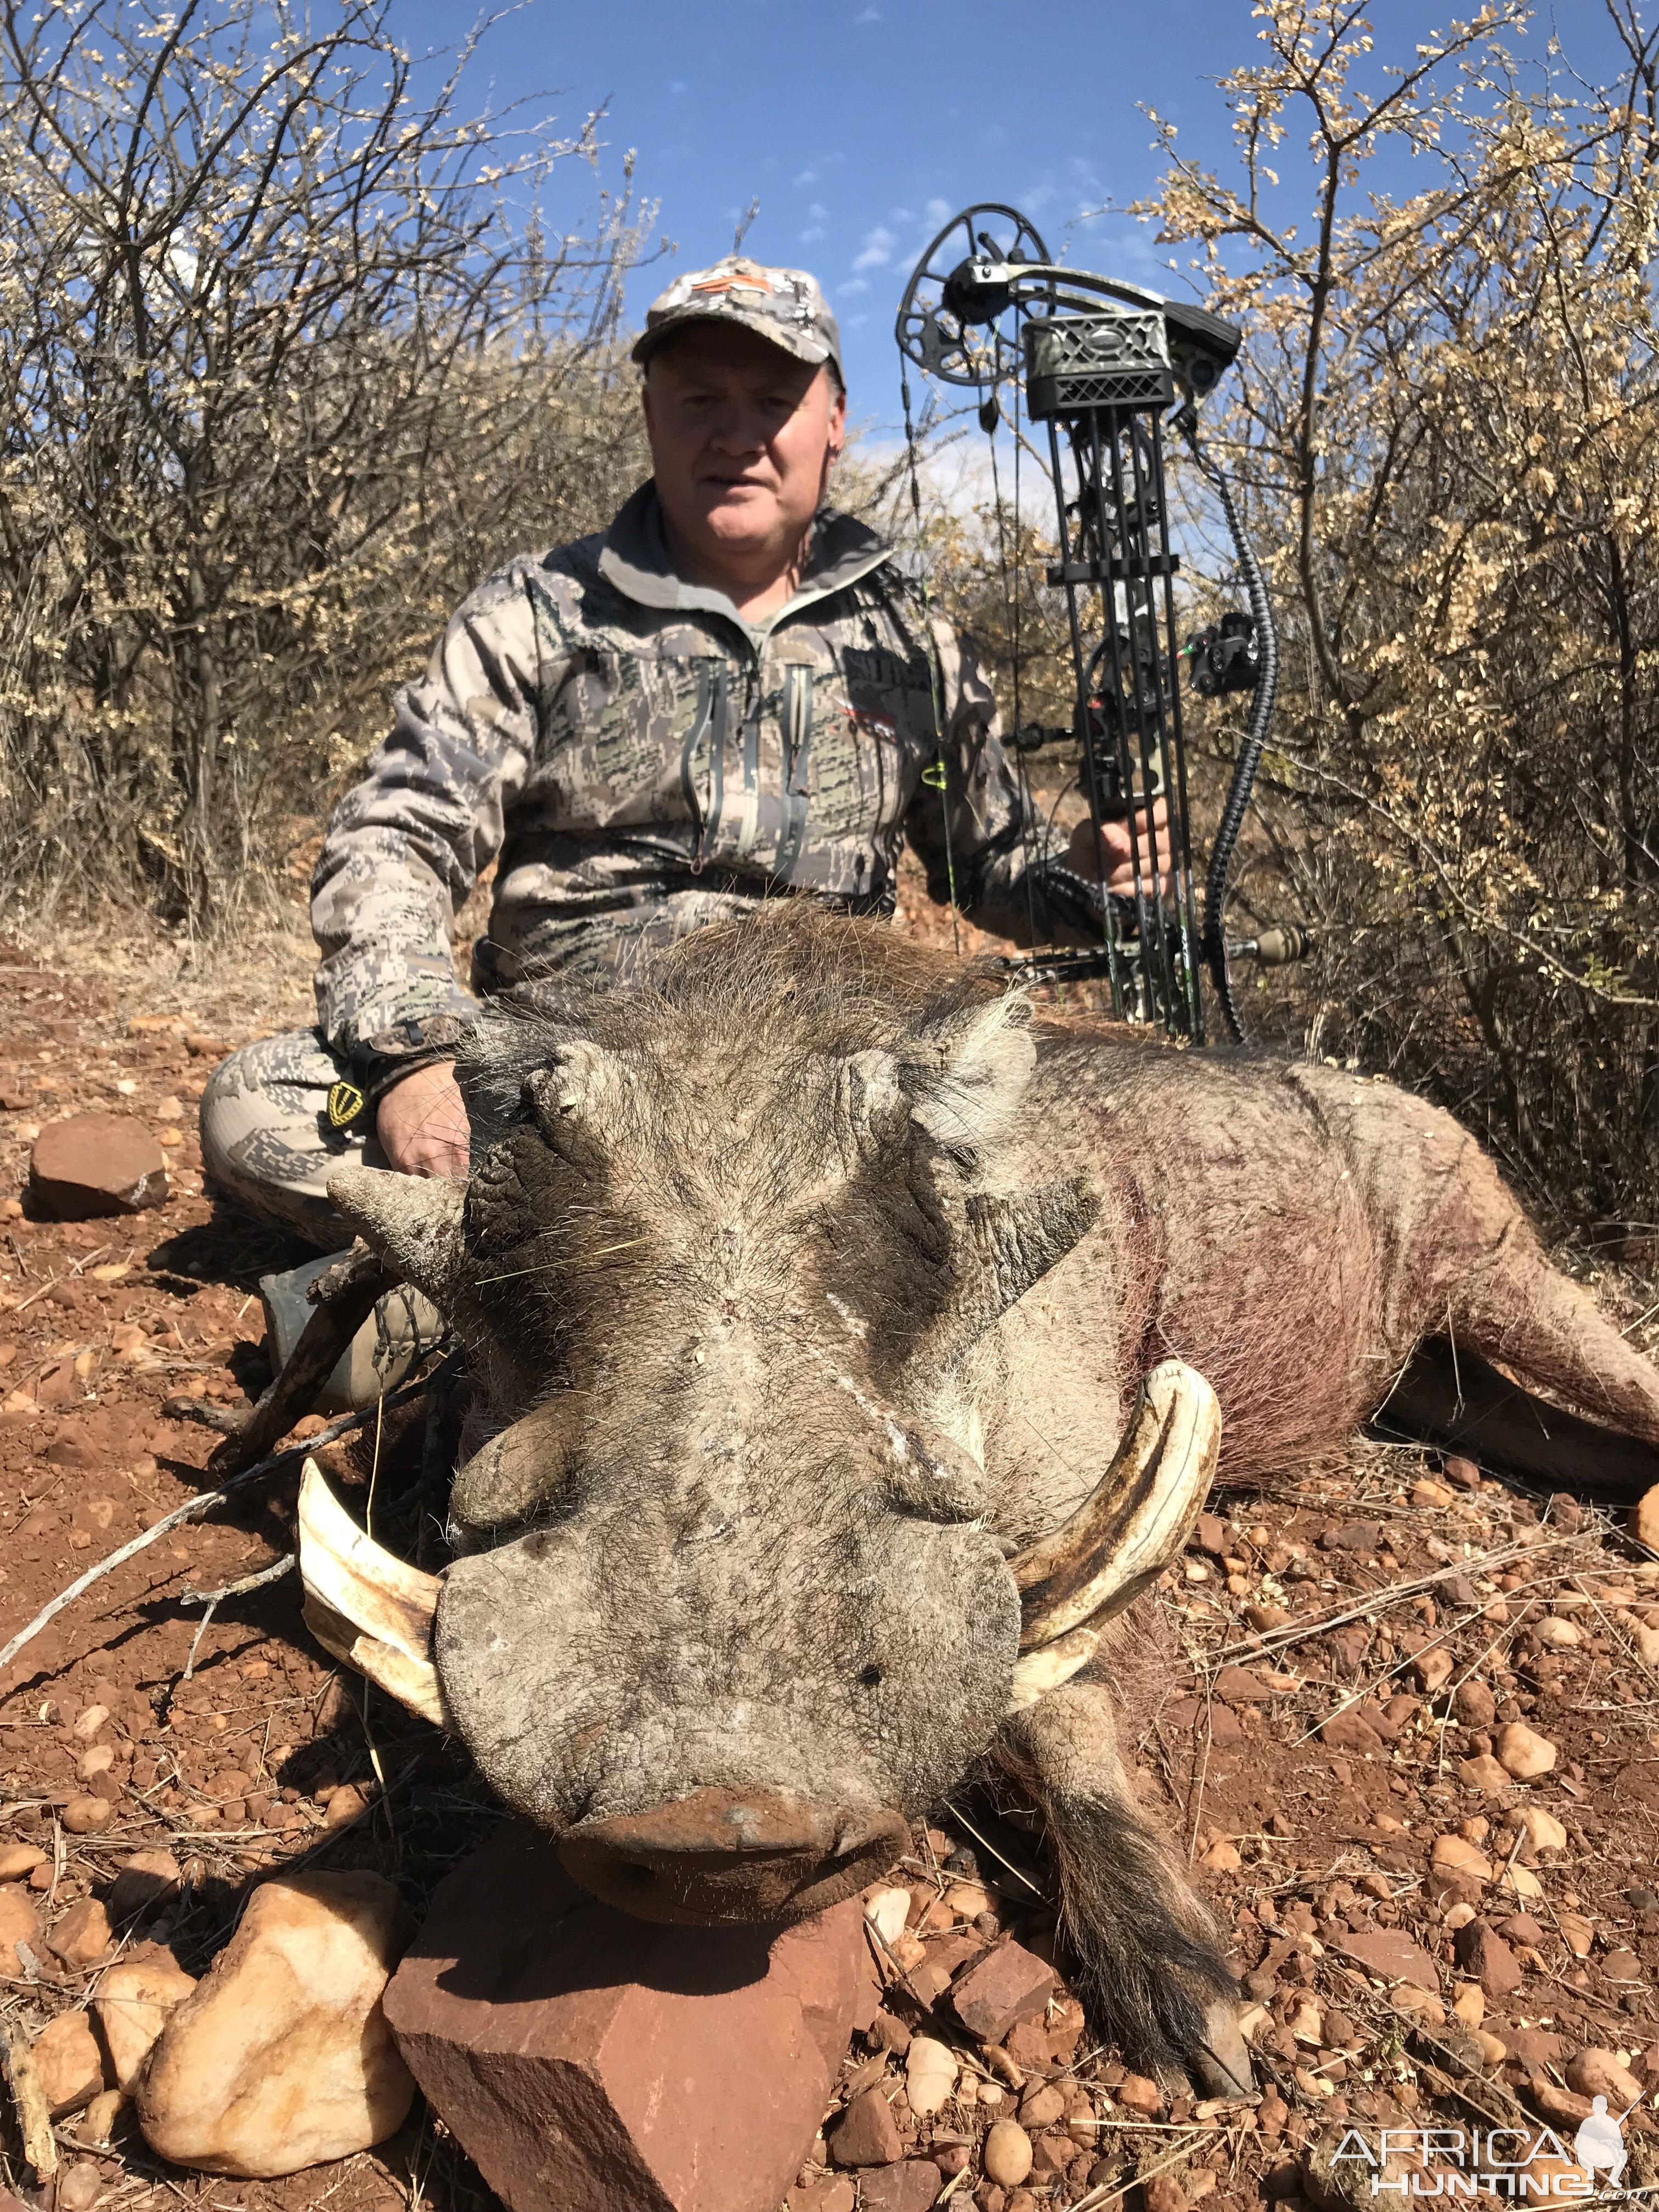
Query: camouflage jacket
[{"x": 643, "y": 760}]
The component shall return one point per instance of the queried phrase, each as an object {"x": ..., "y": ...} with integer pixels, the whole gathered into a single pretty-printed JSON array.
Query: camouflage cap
[{"x": 786, "y": 305}]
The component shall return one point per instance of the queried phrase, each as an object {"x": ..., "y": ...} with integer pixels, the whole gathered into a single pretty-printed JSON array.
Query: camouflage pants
[{"x": 266, "y": 1140}]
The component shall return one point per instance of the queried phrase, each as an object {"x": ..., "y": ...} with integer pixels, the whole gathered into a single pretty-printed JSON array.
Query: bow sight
[{"x": 1102, "y": 361}]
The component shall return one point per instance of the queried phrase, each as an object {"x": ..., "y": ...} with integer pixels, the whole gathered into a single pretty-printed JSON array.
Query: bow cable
[
  {"x": 937, "y": 778},
  {"x": 1011, "y": 603},
  {"x": 1255, "y": 734}
]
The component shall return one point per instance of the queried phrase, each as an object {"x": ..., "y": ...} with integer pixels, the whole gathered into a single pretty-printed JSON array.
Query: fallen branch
[
  {"x": 220, "y": 1418},
  {"x": 1494, "y": 2104},
  {"x": 194, "y": 1507},
  {"x": 985, "y": 1843},
  {"x": 273, "y": 1573},
  {"x": 1108, "y": 2192},
  {"x": 343, "y": 1298},
  {"x": 1448, "y": 1688}
]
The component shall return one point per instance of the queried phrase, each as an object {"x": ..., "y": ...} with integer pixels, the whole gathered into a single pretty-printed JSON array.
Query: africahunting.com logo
[{"x": 1519, "y": 2163}]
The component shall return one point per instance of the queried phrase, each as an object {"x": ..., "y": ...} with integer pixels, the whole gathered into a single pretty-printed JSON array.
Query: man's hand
[
  {"x": 422, "y": 1123},
  {"x": 1117, "y": 850}
]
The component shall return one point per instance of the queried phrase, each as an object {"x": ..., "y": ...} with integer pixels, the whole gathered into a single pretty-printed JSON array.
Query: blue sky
[{"x": 861, "y": 125}]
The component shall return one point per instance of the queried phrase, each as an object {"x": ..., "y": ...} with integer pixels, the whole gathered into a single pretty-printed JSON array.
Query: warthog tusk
[
  {"x": 368, "y": 1607},
  {"x": 1136, "y": 1521},
  {"x": 1039, "y": 1672}
]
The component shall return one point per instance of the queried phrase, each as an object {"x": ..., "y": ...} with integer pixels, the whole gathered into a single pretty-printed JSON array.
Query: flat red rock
[
  {"x": 1622, "y": 1966},
  {"x": 1482, "y": 1952},
  {"x": 96, "y": 1163},
  {"x": 1239, "y": 1687},
  {"x": 1009, "y": 1984},
  {"x": 912, "y": 2186},
  {"x": 1533, "y": 2046},
  {"x": 867, "y": 2133},
  {"x": 587, "y": 2061},
  {"x": 1345, "y": 1731},
  {"x": 1393, "y": 1957},
  {"x": 1557, "y": 2103}
]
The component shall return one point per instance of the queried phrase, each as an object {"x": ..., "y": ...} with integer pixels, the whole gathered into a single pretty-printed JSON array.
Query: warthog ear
[
  {"x": 578, "y": 1080},
  {"x": 413, "y": 1221},
  {"x": 1015, "y": 1241},
  {"x": 574, "y": 1093},
  {"x": 967, "y": 1073}
]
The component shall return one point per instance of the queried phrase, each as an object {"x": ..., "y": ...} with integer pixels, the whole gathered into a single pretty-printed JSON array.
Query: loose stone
[
  {"x": 1007, "y": 2154},
  {"x": 1522, "y": 1753}
]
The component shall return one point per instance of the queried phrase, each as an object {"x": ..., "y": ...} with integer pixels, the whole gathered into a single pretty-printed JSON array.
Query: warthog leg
[
  {"x": 1476, "y": 1274},
  {"x": 1518, "y": 1310},
  {"x": 1451, "y": 1396},
  {"x": 1149, "y": 1967}
]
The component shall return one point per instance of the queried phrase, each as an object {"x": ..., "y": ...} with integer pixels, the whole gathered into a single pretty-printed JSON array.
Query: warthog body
[{"x": 806, "y": 1283}]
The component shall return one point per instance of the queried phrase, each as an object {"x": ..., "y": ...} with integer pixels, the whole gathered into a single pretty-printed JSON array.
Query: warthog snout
[{"x": 733, "y": 1855}]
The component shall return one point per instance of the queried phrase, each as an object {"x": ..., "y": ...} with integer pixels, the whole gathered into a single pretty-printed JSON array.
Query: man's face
[{"x": 742, "y": 437}]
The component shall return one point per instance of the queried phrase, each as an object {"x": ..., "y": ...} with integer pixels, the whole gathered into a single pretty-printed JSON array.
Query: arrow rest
[{"x": 1099, "y": 362}]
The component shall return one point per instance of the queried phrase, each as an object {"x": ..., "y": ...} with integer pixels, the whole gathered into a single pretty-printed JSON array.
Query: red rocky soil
[{"x": 1347, "y": 1651}]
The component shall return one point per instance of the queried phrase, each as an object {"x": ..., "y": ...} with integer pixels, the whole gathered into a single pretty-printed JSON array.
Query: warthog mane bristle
[{"x": 782, "y": 976}]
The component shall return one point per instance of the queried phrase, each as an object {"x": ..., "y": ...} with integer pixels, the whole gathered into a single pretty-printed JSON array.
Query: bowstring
[
  {"x": 1011, "y": 604},
  {"x": 937, "y": 777}
]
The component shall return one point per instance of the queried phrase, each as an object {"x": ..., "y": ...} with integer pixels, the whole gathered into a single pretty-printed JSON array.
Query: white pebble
[
  {"x": 887, "y": 1912},
  {"x": 930, "y": 2073}
]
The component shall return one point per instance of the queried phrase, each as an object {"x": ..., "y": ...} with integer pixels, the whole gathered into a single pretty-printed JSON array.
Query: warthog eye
[{"x": 870, "y": 1677}]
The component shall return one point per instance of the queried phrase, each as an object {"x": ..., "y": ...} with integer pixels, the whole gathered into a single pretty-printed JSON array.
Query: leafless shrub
[
  {"x": 282, "y": 371},
  {"x": 1447, "y": 421}
]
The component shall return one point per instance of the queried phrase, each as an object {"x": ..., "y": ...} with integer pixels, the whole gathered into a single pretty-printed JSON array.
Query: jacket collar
[{"x": 635, "y": 560}]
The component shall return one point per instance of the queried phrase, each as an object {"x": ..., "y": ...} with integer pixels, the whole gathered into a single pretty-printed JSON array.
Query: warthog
[{"x": 809, "y": 1287}]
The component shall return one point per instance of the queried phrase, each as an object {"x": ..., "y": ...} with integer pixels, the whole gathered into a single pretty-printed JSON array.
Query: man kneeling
[{"x": 730, "y": 695}]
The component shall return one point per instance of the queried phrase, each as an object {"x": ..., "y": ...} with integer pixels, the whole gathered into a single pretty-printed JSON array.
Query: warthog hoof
[
  {"x": 1221, "y": 2064},
  {"x": 1214, "y": 2060}
]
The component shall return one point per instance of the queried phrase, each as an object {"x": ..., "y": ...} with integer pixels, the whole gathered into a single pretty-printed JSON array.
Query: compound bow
[{"x": 1101, "y": 362}]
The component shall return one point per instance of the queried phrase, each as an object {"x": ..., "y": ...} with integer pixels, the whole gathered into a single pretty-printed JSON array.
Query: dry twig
[
  {"x": 1334, "y": 1616},
  {"x": 193, "y": 1508},
  {"x": 213, "y": 1598},
  {"x": 33, "y": 2113}
]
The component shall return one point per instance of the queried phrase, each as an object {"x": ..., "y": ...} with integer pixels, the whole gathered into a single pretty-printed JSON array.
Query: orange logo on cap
[{"x": 752, "y": 281}]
